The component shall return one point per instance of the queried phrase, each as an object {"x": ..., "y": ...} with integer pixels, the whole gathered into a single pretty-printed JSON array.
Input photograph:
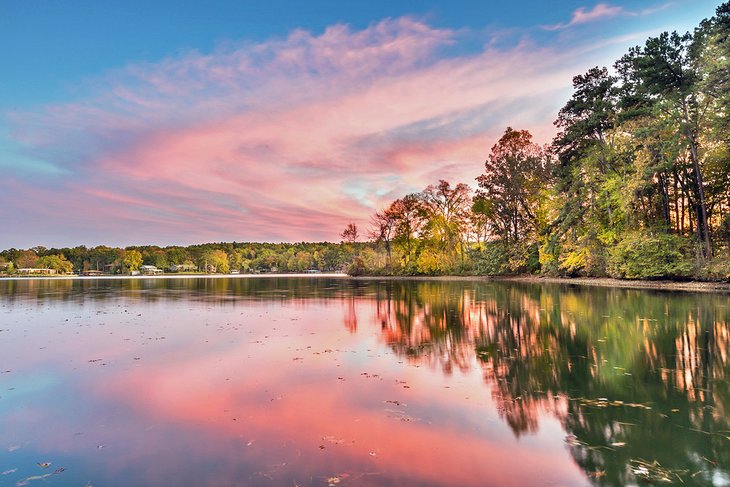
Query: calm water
[{"x": 318, "y": 381}]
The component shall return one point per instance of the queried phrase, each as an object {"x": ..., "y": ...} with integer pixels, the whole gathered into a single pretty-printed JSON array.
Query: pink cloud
[
  {"x": 289, "y": 139},
  {"x": 583, "y": 15}
]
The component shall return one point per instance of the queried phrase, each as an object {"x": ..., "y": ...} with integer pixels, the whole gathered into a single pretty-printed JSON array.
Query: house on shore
[
  {"x": 150, "y": 270},
  {"x": 92, "y": 273},
  {"x": 183, "y": 268},
  {"x": 37, "y": 271}
]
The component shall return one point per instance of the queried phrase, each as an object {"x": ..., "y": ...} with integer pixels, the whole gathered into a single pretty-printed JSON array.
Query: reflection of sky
[{"x": 131, "y": 392}]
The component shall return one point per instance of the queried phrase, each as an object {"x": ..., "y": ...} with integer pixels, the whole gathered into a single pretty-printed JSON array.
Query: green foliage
[
  {"x": 214, "y": 260},
  {"x": 430, "y": 261},
  {"x": 132, "y": 260},
  {"x": 356, "y": 267},
  {"x": 491, "y": 259},
  {"x": 717, "y": 268},
  {"x": 574, "y": 261},
  {"x": 59, "y": 263},
  {"x": 649, "y": 255}
]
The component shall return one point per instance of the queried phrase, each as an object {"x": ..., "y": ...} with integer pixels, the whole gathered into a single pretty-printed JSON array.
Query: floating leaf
[{"x": 653, "y": 472}]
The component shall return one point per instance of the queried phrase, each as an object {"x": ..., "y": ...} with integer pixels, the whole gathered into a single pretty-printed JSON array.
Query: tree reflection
[{"x": 630, "y": 374}]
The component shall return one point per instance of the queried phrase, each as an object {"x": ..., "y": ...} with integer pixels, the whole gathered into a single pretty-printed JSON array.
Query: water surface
[{"x": 330, "y": 381}]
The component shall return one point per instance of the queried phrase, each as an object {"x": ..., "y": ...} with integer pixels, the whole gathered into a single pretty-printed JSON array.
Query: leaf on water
[
  {"x": 603, "y": 402},
  {"x": 653, "y": 472},
  {"x": 44, "y": 464},
  {"x": 573, "y": 440},
  {"x": 337, "y": 479}
]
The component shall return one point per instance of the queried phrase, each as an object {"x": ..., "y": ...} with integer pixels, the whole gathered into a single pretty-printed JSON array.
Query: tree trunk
[
  {"x": 676, "y": 202},
  {"x": 703, "y": 233}
]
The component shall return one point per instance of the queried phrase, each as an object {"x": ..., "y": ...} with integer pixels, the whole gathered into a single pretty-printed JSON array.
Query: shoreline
[
  {"x": 662, "y": 285},
  {"x": 608, "y": 282},
  {"x": 167, "y": 276}
]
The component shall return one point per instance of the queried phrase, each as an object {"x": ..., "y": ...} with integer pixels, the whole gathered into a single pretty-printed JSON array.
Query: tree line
[
  {"x": 636, "y": 184},
  {"x": 210, "y": 258}
]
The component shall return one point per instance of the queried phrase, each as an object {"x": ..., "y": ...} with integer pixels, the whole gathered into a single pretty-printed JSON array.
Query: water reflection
[
  {"x": 630, "y": 374},
  {"x": 278, "y": 380}
]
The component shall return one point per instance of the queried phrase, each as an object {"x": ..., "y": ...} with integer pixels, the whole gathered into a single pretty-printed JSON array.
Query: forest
[{"x": 636, "y": 185}]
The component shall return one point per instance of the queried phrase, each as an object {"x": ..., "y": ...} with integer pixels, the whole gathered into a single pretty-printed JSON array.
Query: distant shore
[
  {"x": 661, "y": 285},
  {"x": 168, "y": 276}
]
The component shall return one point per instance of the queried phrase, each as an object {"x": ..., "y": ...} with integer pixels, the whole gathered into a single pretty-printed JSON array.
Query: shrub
[
  {"x": 356, "y": 267},
  {"x": 584, "y": 258},
  {"x": 491, "y": 259},
  {"x": 717, "y": 268},
  {"x": 649, "y": 255},
  {"x": 430, "y": 261}
]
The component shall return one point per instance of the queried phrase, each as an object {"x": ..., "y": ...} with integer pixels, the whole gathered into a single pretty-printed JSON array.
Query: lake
[{"x": 281, "y": 381}]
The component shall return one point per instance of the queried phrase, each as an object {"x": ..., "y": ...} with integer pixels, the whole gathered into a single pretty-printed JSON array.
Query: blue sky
[
  {"x": 100, "y": 102},
  {"x": 49, "y": 46}
]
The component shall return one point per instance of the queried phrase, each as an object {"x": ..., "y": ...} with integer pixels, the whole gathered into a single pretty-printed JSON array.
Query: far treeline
[
  {"x": 635, "y": 185},
  {"x": 209, "y": 258}
]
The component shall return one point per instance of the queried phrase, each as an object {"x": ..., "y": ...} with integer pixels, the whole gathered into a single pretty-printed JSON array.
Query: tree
[
  {"x": 663, "y": 74},
  {"x": 585, "y": 122},
  {"x": 447, "y": 210},
  {"x": 25, "y": 259},
  {"x": 383, "y": 227},
  {"x": 59, "y": 263},
  {"x": 132, "y": 260},
  {"x": 350, "y": 234},
  {"x": 591, "y": 111},
  {"x": 515, "y": 172},
  {"x": 409, "y": 216},
  {"x": 214, "y": 260}
]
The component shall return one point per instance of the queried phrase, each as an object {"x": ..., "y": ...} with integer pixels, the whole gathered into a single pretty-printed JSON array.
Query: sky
[{"x": 125, "y": 123}]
